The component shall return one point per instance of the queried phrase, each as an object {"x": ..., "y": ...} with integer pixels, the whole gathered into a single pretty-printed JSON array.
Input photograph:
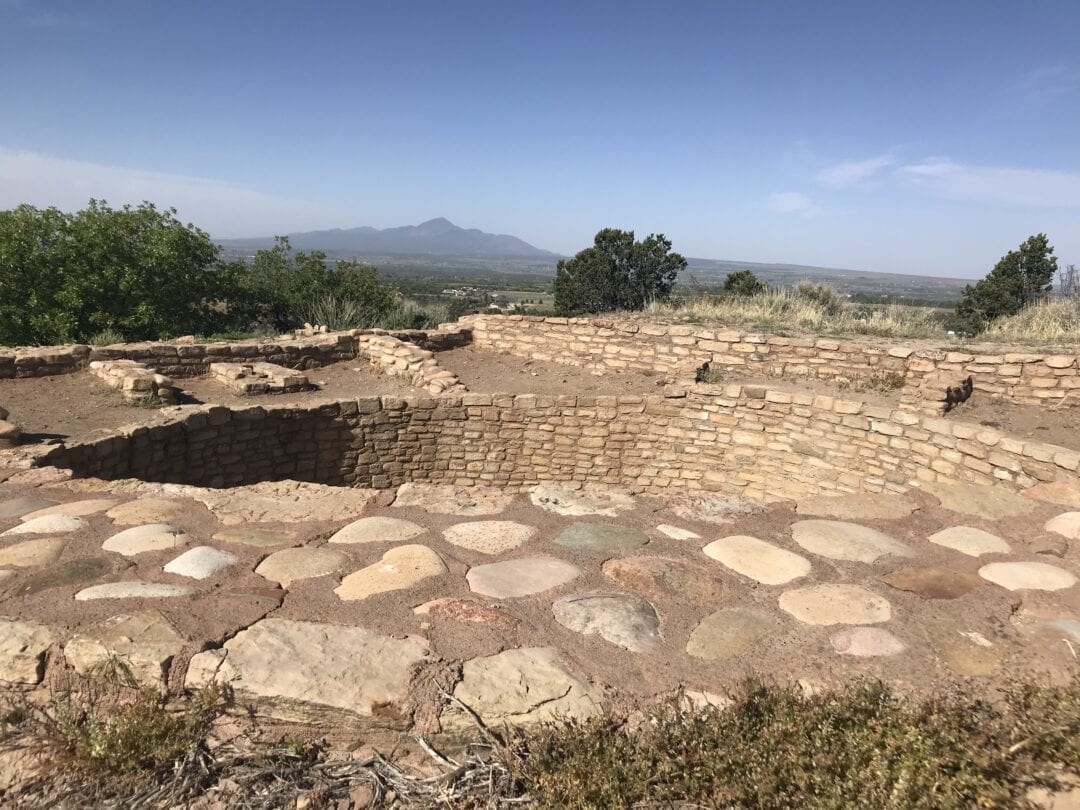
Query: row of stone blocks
[
  {"x": 247, "y": 379},
  {"x": 397, "y": 358},
  {"x": 136, "y": 382}
]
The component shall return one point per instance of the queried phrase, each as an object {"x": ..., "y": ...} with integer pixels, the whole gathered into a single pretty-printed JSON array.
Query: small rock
[
  {"x": 970, "y": 541},
  {"x": 520, "y": 577},
  {"x": 932, "y": 582},
  {"x": 1034, "y": 576},
  {"x": 760, "y": 561},
  {"x": 490, "y": 536},
  {"x": 835, "y": 604},
  {"x": 625, "y": 620},
  {"x": 49, "y": 524},
  {"x": 675, "y": 533},
  {"x": 601, "y": 537},
  {"x": 400, "y": 567},
  {"x": 145, "y": 642},
  {"x": 133, "y": 589},
  {"x": 727, "y": 632},
  {"x": 1067, "y": 525},
  {"x": 22, "y": 650},
  {"x": 200, "y": 562}
]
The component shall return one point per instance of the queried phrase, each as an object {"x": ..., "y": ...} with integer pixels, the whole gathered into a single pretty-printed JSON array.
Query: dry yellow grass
[{"x": 1045, "y": 322}]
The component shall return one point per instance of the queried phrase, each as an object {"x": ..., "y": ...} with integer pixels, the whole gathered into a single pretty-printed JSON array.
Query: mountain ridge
[{"x": 438, "y": 236}]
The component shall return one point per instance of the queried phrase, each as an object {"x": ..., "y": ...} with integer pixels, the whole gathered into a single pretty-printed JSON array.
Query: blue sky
[{"x": 894, "y": 136}]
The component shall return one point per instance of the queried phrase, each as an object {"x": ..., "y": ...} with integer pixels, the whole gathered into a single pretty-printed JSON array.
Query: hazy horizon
[{"x": 923, "y": 139}]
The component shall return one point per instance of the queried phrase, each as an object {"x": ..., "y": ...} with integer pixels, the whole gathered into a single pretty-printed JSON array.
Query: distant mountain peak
[{"x": 438, "y": 236}]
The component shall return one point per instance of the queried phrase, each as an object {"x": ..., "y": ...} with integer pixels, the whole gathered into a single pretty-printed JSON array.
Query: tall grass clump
[
  {"x": 1049, "y": 321},
  {"x": 338, "y": 313},
  {"x": 807, "y": 307}
]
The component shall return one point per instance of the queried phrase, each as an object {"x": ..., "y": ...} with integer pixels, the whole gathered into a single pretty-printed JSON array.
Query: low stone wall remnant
[
  {"x": 248, "y": 379},
  {"x": 136, "y": 382}
]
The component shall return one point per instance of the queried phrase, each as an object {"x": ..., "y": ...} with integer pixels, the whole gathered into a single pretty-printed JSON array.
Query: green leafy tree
[
  {"x": 1021, "y": 277},
  {"x": 138, "y": 271},
  {"x": 743, "y": 283},
  {"x": 617, "y": 273}
]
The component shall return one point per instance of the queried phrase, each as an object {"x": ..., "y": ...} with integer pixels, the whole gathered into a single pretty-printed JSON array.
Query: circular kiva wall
[{"x": 726, "y": 438}]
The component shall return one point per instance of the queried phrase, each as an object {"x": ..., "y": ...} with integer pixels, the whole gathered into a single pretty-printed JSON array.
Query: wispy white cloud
[
  {"x": 1048, "y": 82},
  {"x": 224, "y": 209},
  {"x": 1010, "y": 186},
  {"x": 854, "y": 172},
  {"x": 791, "y": 202}
]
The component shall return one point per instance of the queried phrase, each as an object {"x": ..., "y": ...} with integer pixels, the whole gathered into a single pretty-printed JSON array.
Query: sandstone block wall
[
  {"x": 134, "y": 381},
  {"x": 602, "y": 344},
  {"x": 732, "y": 439}
]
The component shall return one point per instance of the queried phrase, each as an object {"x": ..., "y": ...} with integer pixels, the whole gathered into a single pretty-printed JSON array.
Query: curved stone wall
[{"x": 732, "y": 439}]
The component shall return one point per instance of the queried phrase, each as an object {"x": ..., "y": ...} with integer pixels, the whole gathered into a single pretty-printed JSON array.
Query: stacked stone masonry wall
[
  {"x": 678, "y": 350},
  {"x": 731, "y": 439}
]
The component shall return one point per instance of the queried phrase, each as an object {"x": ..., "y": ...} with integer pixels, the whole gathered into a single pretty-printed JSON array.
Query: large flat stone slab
[
  {"x": 32, "y": 553},
  {"x": 200, "y": 562},
  {"x": 712, "y": 507},
  {"x": 147, "y": 510},
  {"x": 143, "y": 643},
  {"x": 377, "y": 530},
  {"x": 400, "y": 567},
  {"x": 728, "y": 632},
  {"x": 1064, "y": 492},
  {"x": 150, "y": 537},
  {"x": 760, "y": 561},
  {"x": 134, "y": 589},
  {"x": 866, "y": 642},
  {"x": 71, "y": 573},
  {"x": 23, "y": 505},
  {"x": 490, "y": 536},
  {"x": 988, "y": 503},
  {"x": 256, "y": 538},
  {"x": 1034, "y": 576},
  {"x": 49, "y": 524},
  {"x": 523, "y": 687},
  {"x": 625, "y": 620},
  {"x": 857, "y": 506},
  {"x": 520, "y": 577},
  {"x": 932, "y": 582},
  {"x": 836, "y": 604},
  {"x": 589, "y": 500},
  {"x": 969, "y": 540},
  {"x": 839, "y": 540},
  {"x": 22, "y": 650},
  {"x": 313, "y": 672},
  {"x": 601, "y": 537},
  {"x": 82, "y": 508},
  {"x": 665, "y": 578},
  {"x": 291, "y": 564},
  {"x": 447, "y": 499},
  {"x": 1067, "y": 525}
]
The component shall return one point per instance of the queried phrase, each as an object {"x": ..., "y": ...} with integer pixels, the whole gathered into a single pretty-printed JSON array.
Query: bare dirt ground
[{"x": 1042, "y": 423}]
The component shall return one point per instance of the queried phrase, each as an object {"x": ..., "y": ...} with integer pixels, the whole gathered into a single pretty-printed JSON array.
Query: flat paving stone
[
  {"x": 22, "y": 650},
  {"x": 971, "y": 541},
  {"x": 665, "y": 578},
  {"x": 1035, "y": 576},
  {"x": 147, "y": 510},
  {"x": 589, "y": 500},
  {"x": 72, "y": 573},
  {"x": 601, "y": 537},
  {"x": 622, "y": 619},
  {"x": 200, "y": 562},
  {"x": 988, "y": 503},
  {"x": 31, "y": 553},
  {"x": 490, "y": 536},
  {"x": 728, "y": 632},
  {"x": 522, "y": 687},
  {"x": 760, "y": 561},
  {"x": 291, "y": 564},
  {"x": 866, "y": 642},
  {"x": 377, "y": 530},
  {"x": 310, "y": 672},
  {"x": 151, "y": 537},
  {"x": 932, "y": 582},
  {"x": 712, "y": 507},
  {"x": 676, "y": 533},
  {"x": 1061, "y": 492},
  {"x": 966, "y": 652},
  {"x": 256, "y": 538},
  {"x": 134, "y": 589},
  {"x": 23, "y": 505},
  {"x": 857, "y": 506},
  {"x": 49, "y": 524},
  {"x": 278, "y": 501},
  {"x": 467, "y": 610},
  {"x": 400, "y": 567},
  {"x": 835, "y": 604},
  {"x": 447, "y": 499},
  {"x": 145, "y": 642},
  {"x": 72, "y": 508},
  {"x": 839, "y": 540},
  {"x": 520, "y": 577},
  {"x": 1067, "y": 525}
]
